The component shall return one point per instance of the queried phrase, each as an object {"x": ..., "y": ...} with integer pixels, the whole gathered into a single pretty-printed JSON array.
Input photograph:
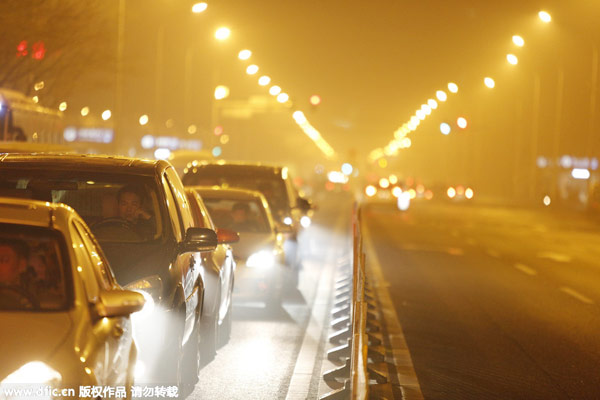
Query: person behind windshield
[
  {"x": 241, "y": 218},
  {"x": 130, "y": 202},
  {"x": 13, "y": 262}
]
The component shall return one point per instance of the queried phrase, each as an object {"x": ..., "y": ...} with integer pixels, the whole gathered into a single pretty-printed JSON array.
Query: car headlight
[
  {"x": 35, "y": 372},
  {"x": 261, "y": 259}
]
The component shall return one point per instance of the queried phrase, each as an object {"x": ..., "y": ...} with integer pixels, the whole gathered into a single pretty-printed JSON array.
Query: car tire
[
  {"x": 209, "y": 336},
  {"x": 225, "y": 328},
  {"x": 193, "y": 355}
]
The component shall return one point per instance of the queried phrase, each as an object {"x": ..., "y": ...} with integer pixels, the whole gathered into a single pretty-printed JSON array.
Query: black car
[{"x": 138, "y": 211}]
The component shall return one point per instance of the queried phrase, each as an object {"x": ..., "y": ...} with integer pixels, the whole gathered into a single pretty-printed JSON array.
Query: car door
[{"x": 114, "y": 335}]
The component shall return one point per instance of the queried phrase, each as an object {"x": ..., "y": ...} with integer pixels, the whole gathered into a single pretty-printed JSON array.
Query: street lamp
[
  {"x": 252, "y": 69},
  {"x": 544, "y": 16},
  {"x": 441, "y": 95},
  {"x": 512, "y": 59},
  {"x": 106, "y": 115},
  {"x": 282, "y": 97},
  {"x": 221, "y": 92},
  {"x": 489, "y": 82},
  {"x": 518, "y": 40},
  {"x": 453, "y": 87},
  {"x": 244, "y": 54},
  {"x": 222, "y": 33},
  {"x": 275, "y": 90},
  {"x": 264, "y": 80},
  {"x": 199, "y": 7},
  {"x": 143, "y": 120}
]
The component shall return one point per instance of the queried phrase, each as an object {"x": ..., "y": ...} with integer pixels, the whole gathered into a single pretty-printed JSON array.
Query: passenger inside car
[{"x": 13, "y": 261}]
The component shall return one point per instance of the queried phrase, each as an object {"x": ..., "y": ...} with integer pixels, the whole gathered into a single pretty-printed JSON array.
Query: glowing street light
[
  {"x": 445, "y": 128},
  {"x": 264, "y": 80},
  {"x": 143, "y": 120},
  {"x": 461, "y": 122},
  {"x": 274, "y": 90},
  {"x": 282, "y": 97},
  {"x": 489, "y": 82},
  {"x": 62, "y": 106},
  {"x": 244, "y": 54},
  {"x": 199, "y": 7},
  {"x": 544, "y": 16},
  {"x": 252, "y": 69},
  {"x": 106, "y": 114},
  {"x": 432, "y": 103},
  {"x": 512, "y": 59},
  {"x": 222, "y": 33},
  {"x": 85, "y": 111},
  {"x": 453, "y": 87},
  {"x": 221, "y": 92},
  {"x": 518, "y": 41},
  {"x": 441, "y": 95}
]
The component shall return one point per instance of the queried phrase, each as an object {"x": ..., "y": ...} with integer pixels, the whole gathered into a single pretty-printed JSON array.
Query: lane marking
[
  {"x": 525, "y": 269},
  {"x": 406, "y": 376},
  {"x": 576, "y": 294},
  {"x": 558, "y": 257}
]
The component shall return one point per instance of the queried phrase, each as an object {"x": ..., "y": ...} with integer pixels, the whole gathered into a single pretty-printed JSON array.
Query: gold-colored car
[{"x": 64, "y": 321}]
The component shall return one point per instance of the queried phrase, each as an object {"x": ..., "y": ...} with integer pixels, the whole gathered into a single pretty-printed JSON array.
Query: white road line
[
  {"x": 576, "y": 294},
  {"x": 558, "y": 257},
  {"x": 525, "y": 269},
  {"x": 405, "y": 372}
]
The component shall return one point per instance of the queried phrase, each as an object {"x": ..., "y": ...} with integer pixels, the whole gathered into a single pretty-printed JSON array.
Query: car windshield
[
  {"x": 117, "y": 207},
  {"x": 238, "y": 215},
  {"x": 271, "y": 185},
  {"x": 33, "y": 268}
]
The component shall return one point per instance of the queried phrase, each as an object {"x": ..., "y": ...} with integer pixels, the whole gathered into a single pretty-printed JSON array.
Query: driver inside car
[
  {"x": 13, "y": 262},
  {"x": 130, "y": 202}
]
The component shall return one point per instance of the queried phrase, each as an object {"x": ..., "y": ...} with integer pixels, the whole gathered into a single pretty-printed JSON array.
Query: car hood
[
  {"x": 251, "y": 243},
  {"x": 27, "y": 337}
]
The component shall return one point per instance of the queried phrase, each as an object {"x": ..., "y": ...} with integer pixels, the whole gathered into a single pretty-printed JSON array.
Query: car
[
  {"x": 262, "y": 272},
  {"x": 65, "y": 320},
  {"x": 138, "y": 211},
  {"x": 274, "y": 182},
  {"x": 218, "y": 273}
]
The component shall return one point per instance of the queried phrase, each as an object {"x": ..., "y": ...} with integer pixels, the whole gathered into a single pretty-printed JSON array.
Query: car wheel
[
  {"x": 225, "y": 328},
  {"x": 193, "y": 356},
  {"x": 209, "y": 337}
]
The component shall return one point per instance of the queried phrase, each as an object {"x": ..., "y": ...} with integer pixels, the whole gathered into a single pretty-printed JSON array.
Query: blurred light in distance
[
  {"x": 421, "y": 114},
  {"x": 580, "y": 173},
  {"x": 216, "y": 151},
  {"x": 85, "y": 111},
  {"x": 35, "y": 99},
  {"x": 382, "y": 162},
  {"x": 170, "y": 123},
  {"x": 547, "y": 200},
  {"x": 347, "y": 168},
  {"x": 461, "y": 122},
  {"x": 428, "y": 194},
  {"x": 199, "y": 7},
  {"x": 370, "y": 190},
  {"x": 518, "y": 40},
  {"x": 62, "y": 106},
  {"x": 315, "y": 100},
  {"x": 469, "y": 193},
  {"x": 224, "y": 139},
  {"x": 337, "y": 177},
  {"x": 143, "y": 119},
  {"x": 275, "y": 90},
  {"x": 282, "y": 97},
  {"x": 147, "y": 142},
  {"x": 426, "y": 109},
  {"x": 489, "y": 82},
  {"x": 512, "y": 59},
  {"x": 329, "y": 186},
  {"x": 393, "y": 179},
  {"x": 38, "y": 86},
  {"x": 432, "y": 103},
  {"x": 451, "y": 192},
  {"x": 420, "y": 188},
  {"x": 544, "y": 16},
  {"x": 218, "y": 130},
  {"x": 412, "y": 193},
  {"x": 384, "y": 183},
  {"x": 106, "y": 114},
  {"x": 299, "y": 117},
  {"x": 192, "y": 129},
  {"x": 162, "y": 153},
  {"x": 441, "y": 95},
  {"x": 244, "y": 54},
  {"x": 222, "y": 33},
  {"x": 288, "y": 220},
  {"x": 252, "y": 69},
  {"x": 404, "y": 201},
  {"x": 460, "y": 190},
  {"x": 264, "y": 80},
  {"x": 453, "y": 87},
  {"x": 305, "y": 221},
  {"x": 396, "y": 191},
  {"x": 445, "y": 128},
  {"x": 221, "y": 92}
]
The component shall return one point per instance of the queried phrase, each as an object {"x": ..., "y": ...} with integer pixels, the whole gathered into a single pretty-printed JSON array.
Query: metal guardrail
[{"x": 361, "y": 356}]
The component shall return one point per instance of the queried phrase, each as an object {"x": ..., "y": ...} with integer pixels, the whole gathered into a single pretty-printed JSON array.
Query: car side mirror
[
  {"x": 227, "y": 236},
  {"x": 119, "y": 303},
  {"x": 199, "y": 239}
]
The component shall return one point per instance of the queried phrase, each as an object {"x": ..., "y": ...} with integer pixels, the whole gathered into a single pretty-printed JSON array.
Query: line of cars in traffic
[{"x": 127, "y": 274}]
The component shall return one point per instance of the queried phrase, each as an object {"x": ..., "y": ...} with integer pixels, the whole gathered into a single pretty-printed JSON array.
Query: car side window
[
  {"x": 84, "y": 265},
  {"x": 196, "y": 213},
  {"x": 98, "y": 262},
  {"x": 172, "y": 207},
  {"x": 181, "y": 199}
]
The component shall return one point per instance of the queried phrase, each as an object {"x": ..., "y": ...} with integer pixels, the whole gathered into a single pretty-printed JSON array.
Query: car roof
[
  {"x": 230, "y": 193},
  {"x": 94, "y": 162},
  {"x": 235, "y": 165},
  {"x": 32, "y": 212}
]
